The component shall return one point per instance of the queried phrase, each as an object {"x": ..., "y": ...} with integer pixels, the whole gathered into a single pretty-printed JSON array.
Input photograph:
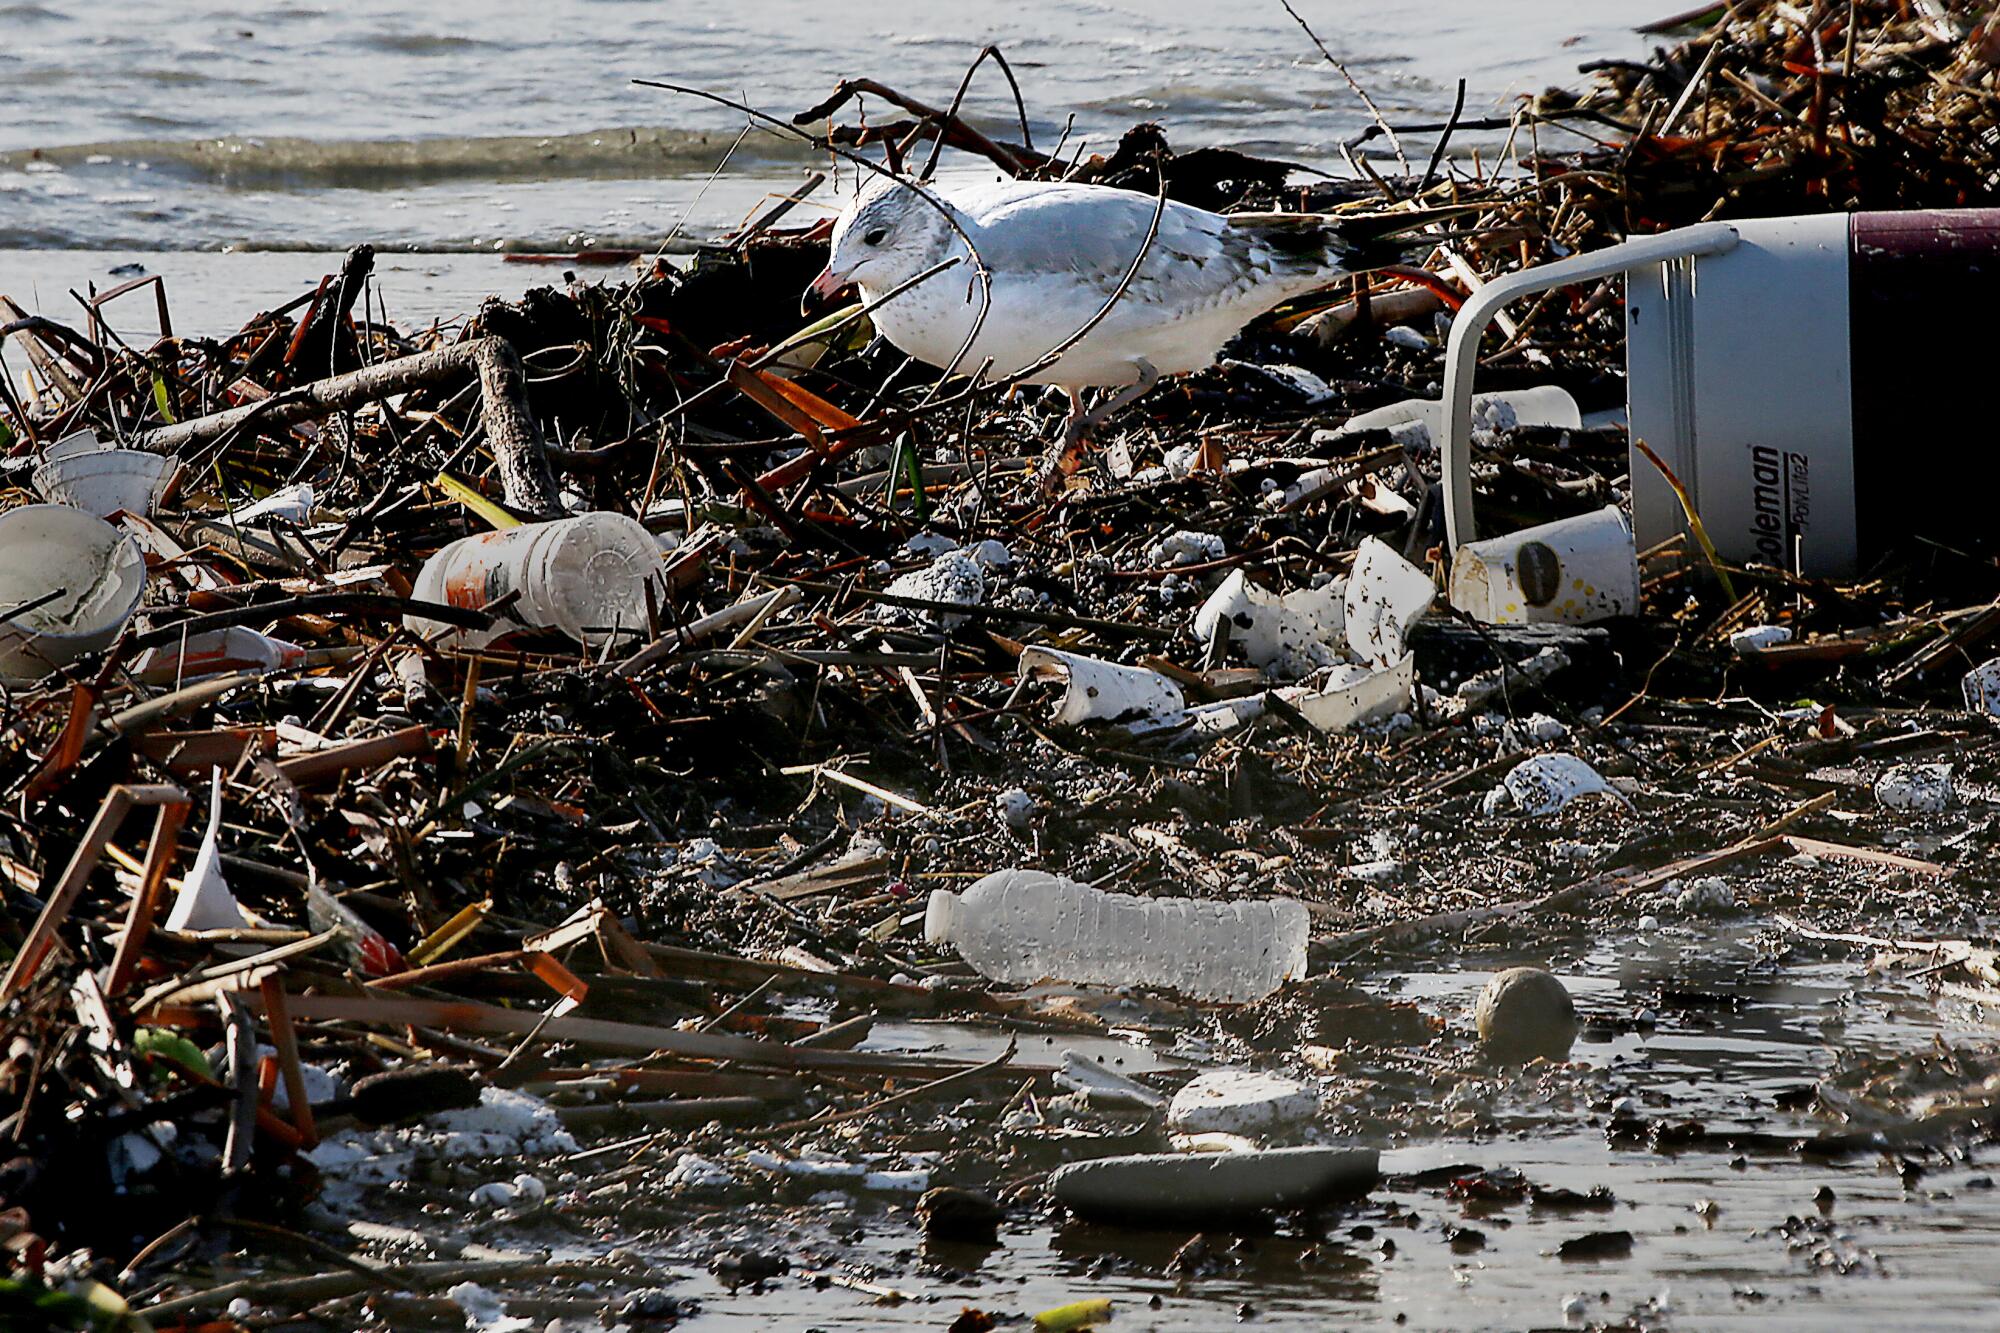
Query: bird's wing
[{"x": 1089, "y": 235}]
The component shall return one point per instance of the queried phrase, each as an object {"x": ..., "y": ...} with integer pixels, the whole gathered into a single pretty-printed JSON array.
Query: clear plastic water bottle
[{"x": 1023, "y": 925}]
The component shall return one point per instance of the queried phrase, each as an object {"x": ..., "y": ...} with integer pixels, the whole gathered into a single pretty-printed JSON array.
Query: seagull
[{"x": 1054, "y": 253}]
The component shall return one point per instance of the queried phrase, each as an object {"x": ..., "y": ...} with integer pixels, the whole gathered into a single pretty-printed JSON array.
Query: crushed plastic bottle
[{"x": 1023, "y": 925}]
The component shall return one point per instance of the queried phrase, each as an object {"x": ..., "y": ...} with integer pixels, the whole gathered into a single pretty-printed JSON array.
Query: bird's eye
[{"x": 876, "y": 237}]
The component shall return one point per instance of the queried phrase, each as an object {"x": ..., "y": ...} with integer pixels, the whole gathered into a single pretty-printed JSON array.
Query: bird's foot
[{"x": 1060, "y": 460}]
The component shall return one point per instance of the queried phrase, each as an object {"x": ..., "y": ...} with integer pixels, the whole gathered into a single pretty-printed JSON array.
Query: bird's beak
[{"x": 823, "y": 288}]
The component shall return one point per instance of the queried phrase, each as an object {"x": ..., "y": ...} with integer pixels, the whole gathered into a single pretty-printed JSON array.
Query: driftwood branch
[{"x": 525, "y": 477}]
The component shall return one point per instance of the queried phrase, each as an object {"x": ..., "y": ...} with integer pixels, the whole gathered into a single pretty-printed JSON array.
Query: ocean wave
[{"x": 266, "y": 161}]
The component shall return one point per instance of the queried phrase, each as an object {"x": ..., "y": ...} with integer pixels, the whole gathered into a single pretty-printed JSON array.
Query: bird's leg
[
  {"x": 1067, "y": 452},
  {"x": 1124, "y": 398}
]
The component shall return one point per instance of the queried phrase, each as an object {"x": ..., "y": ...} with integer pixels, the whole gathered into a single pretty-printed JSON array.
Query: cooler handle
[{"x": 1462, "y": 349}]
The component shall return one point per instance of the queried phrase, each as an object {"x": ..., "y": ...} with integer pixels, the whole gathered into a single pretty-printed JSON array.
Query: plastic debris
[
  {"x": 1015, "y": 807},
  {"x": 1289, "y": 634},
  {"x": 584, "y": 577},
  {"x": 1105, "y": 1086},
  {"x": 204, "y": 901},
  {"x": 216, "y": 652},
  {"x": 1573, "y": 571},
  {"x": 1754, "y": 637},
  {"x": 1024, "y": 925},
  {"x": 1100, "y": 691},
  {"x": 1982, "y": 687},
  {"x": 1546, "y": 783},
  {"x": 292, "y": 504},
  {"x": 1235, "y": 1101},
  {"x": 1923, "y": 789},
  {"x": 69, "y": 582},
  {"x": 954, "y": 577}
]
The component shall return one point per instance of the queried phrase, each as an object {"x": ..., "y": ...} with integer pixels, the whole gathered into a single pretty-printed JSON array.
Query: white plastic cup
[
  {"x": 100, "y": 569},
  {"x": 102, "y": 481},
  {"x": 584, "y": 576},
  {"x": 1573, "y": 571}
]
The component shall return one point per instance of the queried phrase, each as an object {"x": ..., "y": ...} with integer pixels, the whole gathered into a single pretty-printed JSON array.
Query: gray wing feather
[{"x": 1093, "y": 233}]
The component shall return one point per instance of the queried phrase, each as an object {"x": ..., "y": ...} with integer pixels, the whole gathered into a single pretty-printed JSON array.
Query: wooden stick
[
  {"x": 42, "y": 936},
  {"x": 517, "y": 446},
  {"x": 285, "y": 1038},
  {"x": 603, "y": 1034},
  {"x": 145, "y": 902},
  {"x": 301, "y": 770}
]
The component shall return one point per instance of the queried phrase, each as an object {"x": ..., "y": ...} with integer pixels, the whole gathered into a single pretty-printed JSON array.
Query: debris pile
[{"x": 499, "y": 773}]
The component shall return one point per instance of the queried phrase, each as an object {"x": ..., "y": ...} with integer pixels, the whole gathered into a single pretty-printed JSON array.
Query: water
[
  {"x": 218, "y": 124},
  {"x": 1720, "y": 1242}
]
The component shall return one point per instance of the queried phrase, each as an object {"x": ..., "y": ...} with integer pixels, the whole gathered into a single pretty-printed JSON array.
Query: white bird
[{"x": 1055, "y": 253}]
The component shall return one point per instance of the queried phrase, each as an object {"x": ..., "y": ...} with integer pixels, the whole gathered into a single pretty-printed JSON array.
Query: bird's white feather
[{"x": 1055, "y": 253}]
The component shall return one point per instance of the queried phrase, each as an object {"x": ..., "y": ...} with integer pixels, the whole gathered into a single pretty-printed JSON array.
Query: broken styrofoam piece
[
  {"x": 1105, "y": 1087},
  {"x": 1708, "y": 896},
  {"x": 1982, "y": 687},
  {"x": 1474, "y": 692},
  {"x": 1534, "y": 729},
  {"x": 1545, "y": 783},
  {"x": 1384, "y": 596},
  {"x": 1924, "y": 789},
  {"x": 205, "y": 902},
  {"x": 1187, "y": 548},
  {"x": 1200, "y": 1186},
  {"x": 293, "y": 504},
  {"x": 1101, "y": 691},
  {"x": 929, "y": 545},
  {"x": 1542, "y": 405},
  {"x": 1378, "y": 497},
  {"x": 1224, "y": 715},
  {"x": 954, "y": 577},
  {"x": 484, "y": 1310},
  {"x": 816, "y": 1167},
  {"x": 695, "y": 1174},
  {"x": 1573, "y": 571},
  {"x": 1287, "y": 634},
  {"x": 1240, "y": 1101},
  {"x": 1015, "y": 807},
  {"x": 506, "y": 1123},
  {"x": 1754, "y": 637},
  {"x": 1349, "y": 695},
  {"x": 1381, "y": 599},
  {"x": 517, "y": 1195},
  {"x": 1213, "y": 1142}
]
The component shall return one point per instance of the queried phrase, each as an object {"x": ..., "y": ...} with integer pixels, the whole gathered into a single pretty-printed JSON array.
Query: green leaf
[
  {"x": 168, "y": 1045},
  {"x": 162, "y": 401}
]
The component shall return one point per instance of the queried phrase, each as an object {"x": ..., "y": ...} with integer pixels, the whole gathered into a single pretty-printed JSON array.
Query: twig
[{"x": 1360, "y": 92}]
